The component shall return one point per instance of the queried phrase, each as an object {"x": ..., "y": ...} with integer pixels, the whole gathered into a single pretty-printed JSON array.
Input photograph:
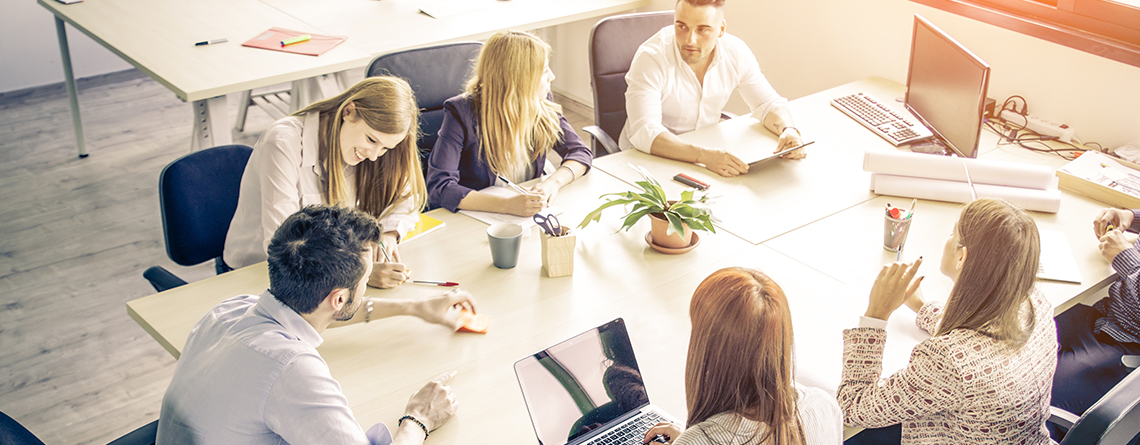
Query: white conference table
[{"x": 158, "y": 37}]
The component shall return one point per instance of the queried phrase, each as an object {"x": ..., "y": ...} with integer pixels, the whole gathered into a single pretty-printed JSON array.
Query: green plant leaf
[
  {"x": 676, "y": 223},
  {"x": 632, "y": 218},
  {"x": 596, "y": 215},
  {"x": 686, "y": 196}
]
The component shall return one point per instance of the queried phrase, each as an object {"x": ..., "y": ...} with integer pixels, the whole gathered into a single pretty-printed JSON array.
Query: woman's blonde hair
[
  {"x": 516, "y": 123},
  {"x": 997, "y": 278},
  {"x": 741, "y": 354},
  {"x": 387, "y": 105}
]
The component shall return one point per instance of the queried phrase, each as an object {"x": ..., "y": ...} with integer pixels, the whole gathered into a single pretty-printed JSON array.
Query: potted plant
[{"x": 673, "y": 221}]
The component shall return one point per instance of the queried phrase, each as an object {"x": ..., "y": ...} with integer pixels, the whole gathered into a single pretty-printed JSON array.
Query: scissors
[{"x": 549, "y": 224}]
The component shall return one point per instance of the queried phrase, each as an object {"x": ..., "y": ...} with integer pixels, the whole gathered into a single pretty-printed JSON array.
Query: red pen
[
  {"x": 437, "y": 283},
  {"x": 698, "y": 181}
]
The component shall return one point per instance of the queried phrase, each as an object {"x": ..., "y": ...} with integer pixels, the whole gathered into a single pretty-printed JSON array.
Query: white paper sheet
[
  {"x": 920, "y": 165},
  {"x": 1057, "y": 262},
  {"x": 1048, "y": 200}
]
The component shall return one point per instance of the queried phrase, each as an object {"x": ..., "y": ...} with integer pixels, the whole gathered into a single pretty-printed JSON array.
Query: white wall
[
  {"x": 29, "y": 49},
  {"x": 806, "y": 46}
]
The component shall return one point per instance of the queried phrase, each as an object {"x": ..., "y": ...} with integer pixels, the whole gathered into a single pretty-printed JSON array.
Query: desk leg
[
  {"x": 210, "y": 129},
  {"x": 72, "y": 92}
]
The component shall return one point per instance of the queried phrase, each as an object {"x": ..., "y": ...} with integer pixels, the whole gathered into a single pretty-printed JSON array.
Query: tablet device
[{"x": 782, "y": 152}]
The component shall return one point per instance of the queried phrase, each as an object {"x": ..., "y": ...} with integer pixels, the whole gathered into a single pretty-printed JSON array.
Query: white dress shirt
[
  {"x": 251, "y": 374},
  {"x": 664, "y": 94},
  {"x": 820, "y": 417},
  {"x": 283, "y": 175}
]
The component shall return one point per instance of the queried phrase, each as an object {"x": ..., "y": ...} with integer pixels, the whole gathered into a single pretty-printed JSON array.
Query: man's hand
[
  {"x": 444, "y": 309},
  {"x": 1118, "y": 218},
  {"x": 894, "y": 286},
  {"x": 434, "y": 403},
  {"x": 721, "y": 162},
  {"x": 788, "y": 139},
  {"x": 1112, "y": 243}
]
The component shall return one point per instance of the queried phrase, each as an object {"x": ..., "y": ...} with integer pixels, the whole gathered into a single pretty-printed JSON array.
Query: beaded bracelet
[{"x": 400, "y": 423}]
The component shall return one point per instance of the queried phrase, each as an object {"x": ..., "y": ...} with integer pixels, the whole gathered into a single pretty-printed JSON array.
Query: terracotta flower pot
[{"x": 674, "y": 241}]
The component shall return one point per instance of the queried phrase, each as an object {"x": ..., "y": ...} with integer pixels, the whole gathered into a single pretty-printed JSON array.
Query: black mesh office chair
[
  {"x": 12, "y": 433},
  {"x": 198, "y": 194},
  {"x": 436, "y": 74},
  {"x": 613, "y": 42},
  {"x": 1112, "y": 420}
]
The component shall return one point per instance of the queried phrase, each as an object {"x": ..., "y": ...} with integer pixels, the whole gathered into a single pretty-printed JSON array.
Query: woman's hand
[
  {"x": 388, "y": 275},
  {"x": 444, "y": 309},
  {"x": 788, "y": 139},
  {"x": 1118, "y": 218},
  {"x": 667, "y": 430},
  {"x": 524, "y": 204},
  {"x": 1112, "y": 243},
  {"x": 548, "y": 189},
  {"x": 894, "y": 286},
  {"x": 391, "y": 246}
]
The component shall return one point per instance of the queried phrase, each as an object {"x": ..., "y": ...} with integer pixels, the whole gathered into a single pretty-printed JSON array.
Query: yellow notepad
[{"x": 427, "y": 224}]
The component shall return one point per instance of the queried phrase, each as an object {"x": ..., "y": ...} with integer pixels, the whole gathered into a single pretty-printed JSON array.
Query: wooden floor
[{"x": 77, "y": 235}]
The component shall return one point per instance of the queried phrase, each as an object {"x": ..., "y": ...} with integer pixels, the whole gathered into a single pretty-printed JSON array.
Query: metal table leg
[{"x": 72, "y": 93}]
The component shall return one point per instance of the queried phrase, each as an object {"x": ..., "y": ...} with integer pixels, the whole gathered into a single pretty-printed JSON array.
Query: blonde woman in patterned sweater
[
  {"x": 739, "y": 376},
  {"x": 986, "y": 373}
]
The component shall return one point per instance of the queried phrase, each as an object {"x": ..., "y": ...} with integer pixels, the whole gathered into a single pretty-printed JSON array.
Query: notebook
[
  {"x": 315, "y": 46},
  {"x": 424, "y": 226},
  {"x": 588, "y": 389}
]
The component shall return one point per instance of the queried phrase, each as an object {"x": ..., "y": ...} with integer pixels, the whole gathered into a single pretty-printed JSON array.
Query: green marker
[{"x": 295, "y": 40}]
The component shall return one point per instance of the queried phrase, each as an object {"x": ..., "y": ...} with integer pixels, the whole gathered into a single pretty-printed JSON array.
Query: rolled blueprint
[
  {"x": 1048, "y": 200},
  {"x": 982, "y": 171}
]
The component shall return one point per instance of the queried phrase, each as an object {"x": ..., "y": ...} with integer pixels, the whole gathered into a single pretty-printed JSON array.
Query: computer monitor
[{"x": 946, "y": 87}]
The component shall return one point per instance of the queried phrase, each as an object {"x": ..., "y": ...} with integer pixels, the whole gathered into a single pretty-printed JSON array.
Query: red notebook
[{"x": 272, "y": 38}]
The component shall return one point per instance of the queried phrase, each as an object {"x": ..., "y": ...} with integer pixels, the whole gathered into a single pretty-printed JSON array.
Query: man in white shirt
[
  {"x": 682, "y": 77},
  {"x": 250, "y": 372}
]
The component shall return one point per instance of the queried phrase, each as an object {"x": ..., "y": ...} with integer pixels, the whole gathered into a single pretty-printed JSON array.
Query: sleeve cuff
[
  {"x": 1127, "y": 261},
  {"x": 872, "y": 322}
]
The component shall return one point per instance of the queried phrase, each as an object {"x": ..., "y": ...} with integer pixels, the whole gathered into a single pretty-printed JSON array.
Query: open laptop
[{"x": 588, "y": 390}]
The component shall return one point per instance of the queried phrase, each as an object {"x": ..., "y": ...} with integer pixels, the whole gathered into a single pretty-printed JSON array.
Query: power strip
[{"x": 1062, "y": 132}]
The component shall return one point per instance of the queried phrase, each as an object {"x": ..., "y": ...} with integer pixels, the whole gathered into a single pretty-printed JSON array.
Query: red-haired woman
[{"x": 739, "y": 381}]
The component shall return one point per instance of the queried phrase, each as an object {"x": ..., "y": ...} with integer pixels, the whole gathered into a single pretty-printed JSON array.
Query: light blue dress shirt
[{"x": 251, "y": 374}]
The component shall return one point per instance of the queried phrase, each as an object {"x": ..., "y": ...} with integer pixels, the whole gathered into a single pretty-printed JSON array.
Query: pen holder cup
[
  {"x": 558, "y": 254},
  {"x": 894, "y": 232}
]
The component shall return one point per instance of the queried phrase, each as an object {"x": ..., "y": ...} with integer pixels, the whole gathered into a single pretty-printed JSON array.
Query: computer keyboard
[
  {"x": 629, "y": 433},
  {"x": 893, "y": 126}
]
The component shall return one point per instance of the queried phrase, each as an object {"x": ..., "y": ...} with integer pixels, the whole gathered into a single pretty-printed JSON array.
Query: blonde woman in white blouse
[
  {"x": 357, "y": 150},
  {"x": 739, "y": 381}
]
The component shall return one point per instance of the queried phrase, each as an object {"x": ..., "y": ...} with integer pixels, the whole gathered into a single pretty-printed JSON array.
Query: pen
[
  {"x": 212, "y": 42},
  {"x": 384, "y": 250},
  {"x": 296, "y": 40},
  {"x": 437, "y": 283},
  {"x": 911, "y": 211},
  {"x": 705, "y": 184},
  {"x": 513, "y": 185},
  {"x": 426, "y": 13},
  {"x": 689, "y": 182}
]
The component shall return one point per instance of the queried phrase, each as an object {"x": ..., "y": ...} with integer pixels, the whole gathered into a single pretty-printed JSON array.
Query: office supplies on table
[
  {"x": 513, "y": 185},
  {"x": 1056, "y": 260},
  {"x": 548, "y": 223},
  {"x": 272, "y": 39},
  {"x": 558, "y": 252},
  {"x": 1112, "y": 181},
  {"x": 698, "y": 181},
  {"x": 584, "y": 368},
  {"x": 295, "y": 40},
  {"x": 1047, "y": 200},
  {"x": 69, "y": 2},
  {"x": 384, "y": 250},
  {"x": 689, "y": 182},
  {"x": 982, "y": 171},
  {"x": 473, "y": 323},
  {"x": 894, "y": 126},
  {"x": 505, "y": 240},
  {"x": 424, "y": 226},
  {"x": 781, "y": 152},
  {"x": 437, "y": 283},
  {"x": 212, "y": 42},
  {"x": 896, "y": 226}
]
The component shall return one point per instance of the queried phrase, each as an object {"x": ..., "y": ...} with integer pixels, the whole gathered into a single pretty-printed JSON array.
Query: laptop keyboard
[{"x": 629, "y": 433}]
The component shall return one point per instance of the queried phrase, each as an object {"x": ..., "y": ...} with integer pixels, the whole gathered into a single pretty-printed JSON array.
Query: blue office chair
[
  {"x": 1114, "y": 419},
  {"x": 12, "y": 433},
  {"x": 436, "y": 74},
  {"x": 198, "y": 194},
  {"x": 613, "y": 42}
]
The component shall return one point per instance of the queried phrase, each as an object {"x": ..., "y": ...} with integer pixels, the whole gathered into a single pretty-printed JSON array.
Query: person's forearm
[
  {"x": 668, "y": 145},
  {"x": 483, "y": 202},
  {"x": 567, "y": 173},
  {"x": 408, "y": 433},
  {"x": 778, "y": 118},
  {"x": 381, "y": 308}
]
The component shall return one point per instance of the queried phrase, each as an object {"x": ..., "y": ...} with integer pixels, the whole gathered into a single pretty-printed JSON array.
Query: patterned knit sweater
[{"x": 959, "y": 388}]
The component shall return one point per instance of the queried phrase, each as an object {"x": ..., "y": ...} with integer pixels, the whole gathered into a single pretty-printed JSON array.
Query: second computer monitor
[{"x": 946, "y": 87}]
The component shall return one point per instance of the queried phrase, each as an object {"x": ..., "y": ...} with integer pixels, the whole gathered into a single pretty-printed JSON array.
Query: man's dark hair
[
  {"x": 317, "y": 250},
  {"x": 715, "y": 3}
]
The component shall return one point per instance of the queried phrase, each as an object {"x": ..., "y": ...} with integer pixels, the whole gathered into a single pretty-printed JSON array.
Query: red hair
[{"x": 740, "y": 354}]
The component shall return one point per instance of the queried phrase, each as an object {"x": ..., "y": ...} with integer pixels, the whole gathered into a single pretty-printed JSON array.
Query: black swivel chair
[
  {"x": 436, "y": 73},
  {"x": 12, "y": 433},
  {"x": 198, "y": 194},
  {"x": 613, "y": 42},
  {"x": 1114, "y": 419}
]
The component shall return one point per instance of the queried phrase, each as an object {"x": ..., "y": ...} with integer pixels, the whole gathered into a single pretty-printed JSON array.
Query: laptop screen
[{"x": 579, "y": 385}]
